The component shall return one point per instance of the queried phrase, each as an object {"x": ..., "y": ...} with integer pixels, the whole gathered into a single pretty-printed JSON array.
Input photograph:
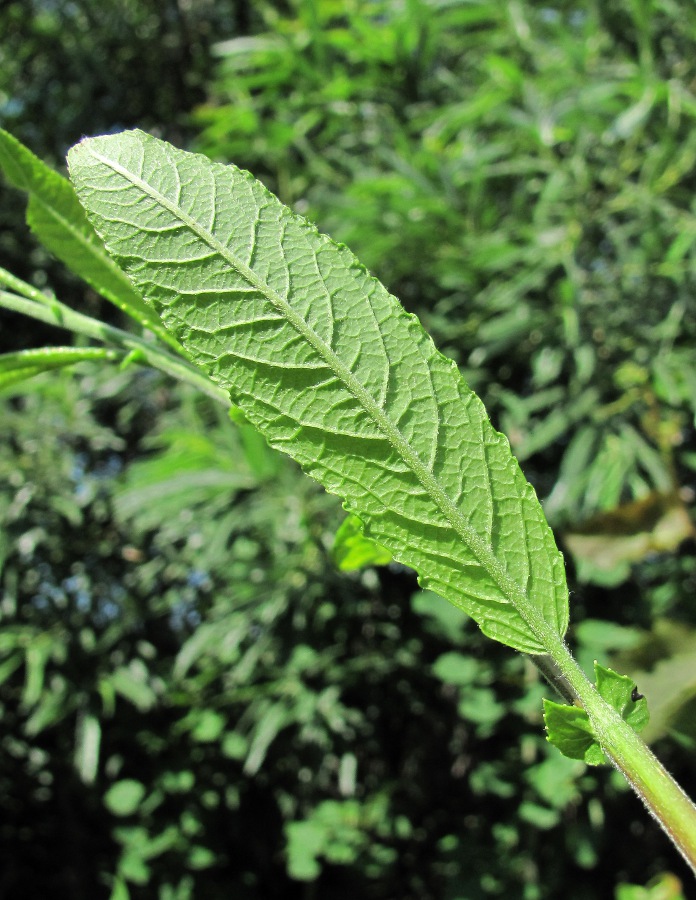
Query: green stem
[
  {"x": 55, "y": 313},
  {"x": 25, "y": 290},
  {"x": 660, "y": 793}
]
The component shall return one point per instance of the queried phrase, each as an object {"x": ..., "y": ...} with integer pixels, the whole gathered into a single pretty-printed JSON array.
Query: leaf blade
[
  {"x": 352, "y": 550},
  {"x": 334, "y": 372}
]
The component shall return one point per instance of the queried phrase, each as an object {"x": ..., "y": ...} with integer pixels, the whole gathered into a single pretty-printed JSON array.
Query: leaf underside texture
[{"x": 333, "y": 371}]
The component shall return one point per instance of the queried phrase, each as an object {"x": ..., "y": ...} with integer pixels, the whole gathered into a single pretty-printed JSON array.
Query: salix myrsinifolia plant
[{"x": 249, "y": 302}]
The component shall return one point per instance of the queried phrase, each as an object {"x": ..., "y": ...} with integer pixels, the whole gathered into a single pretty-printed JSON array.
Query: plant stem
[
  {"x": 21, "y": 287},
  {"x": 660, "y": 793},
  {"x": 55, "y": 313},
  {"x": 553, "y": 675}
]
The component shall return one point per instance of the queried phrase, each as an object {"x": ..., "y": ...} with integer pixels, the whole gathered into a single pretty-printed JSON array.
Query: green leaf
[
  {"x": 331, "y": 369},
  {"x": 619, "y": 691},
  {"x": 132, "y": 683},
  {"x": 665, "y": 886},
  {"x": 124, "y": 797},
  {"x": 455, "y": 668},
  {"x": 55, "y": 216},
  {"x": 271, "y": 720},
  {"x": 306, "y": 841},
  {"x": 16, "y": 367},
  {"x": 352, "y": 550},
  {"x": 540, "y": 816},
  {"x": 37, "y": 656},
  {"x": 234, "y": 745},
  {"x": 200, "y": 858},
  {"x": 207, "y": 725},
  {"x": 87, "y": 743},
  {"x": 568, "y": 727},
  {"x": 119, "y": 890}
]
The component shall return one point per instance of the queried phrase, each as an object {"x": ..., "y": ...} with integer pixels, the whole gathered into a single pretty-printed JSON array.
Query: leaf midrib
[{"x": 539, "y": 627}]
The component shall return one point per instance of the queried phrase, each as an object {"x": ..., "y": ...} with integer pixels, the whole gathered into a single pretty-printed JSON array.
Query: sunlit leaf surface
[{"x": 328, "y": 365}]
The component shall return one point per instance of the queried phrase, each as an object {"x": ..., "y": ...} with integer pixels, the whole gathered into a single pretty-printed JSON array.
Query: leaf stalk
[{"x": 662, "y": 796}]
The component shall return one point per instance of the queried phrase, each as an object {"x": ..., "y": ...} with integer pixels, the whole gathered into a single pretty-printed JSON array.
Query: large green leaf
[
  {"x": 55, "y": 216},
  {"x": 328, "y": 365}
]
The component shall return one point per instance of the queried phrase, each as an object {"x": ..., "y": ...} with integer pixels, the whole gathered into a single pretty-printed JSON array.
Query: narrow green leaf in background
[
  {"x": 55, "y": 216},
  {"x": 332, "y": 370},
  {"x": 88, "y": 735}
]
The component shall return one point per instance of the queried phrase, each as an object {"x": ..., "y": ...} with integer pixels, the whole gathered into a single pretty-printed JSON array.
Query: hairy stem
[{"x": 663, "y": 797}]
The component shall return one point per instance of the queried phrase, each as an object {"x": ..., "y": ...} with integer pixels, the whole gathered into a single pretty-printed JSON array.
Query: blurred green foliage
[
  {"x": 195, "y": 702},
  {"x": 522, "y": 176},
  {"x": 68, "y": 69}
]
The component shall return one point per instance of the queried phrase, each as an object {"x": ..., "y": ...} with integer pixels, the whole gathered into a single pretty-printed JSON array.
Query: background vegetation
[{"x": 195, "y": 701}]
